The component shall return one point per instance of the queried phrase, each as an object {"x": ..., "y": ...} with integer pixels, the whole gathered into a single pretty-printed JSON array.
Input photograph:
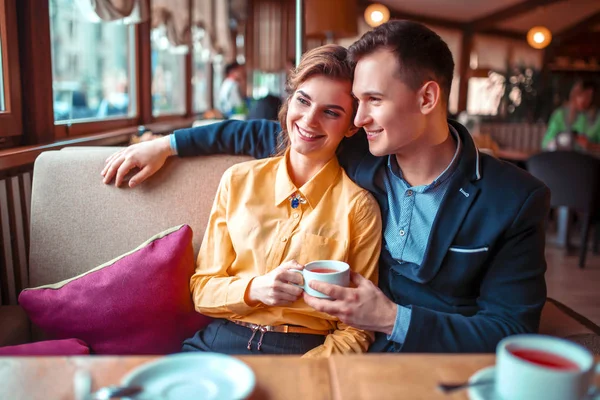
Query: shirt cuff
[
  {"x": 235, "y": 296},
  {"x": 401, "y": 325},
  {"x": 173, "y": 144}
]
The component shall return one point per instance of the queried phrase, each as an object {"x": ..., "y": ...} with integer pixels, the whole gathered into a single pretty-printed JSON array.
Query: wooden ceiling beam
[
  {"x": 444, "y": 23},
  {"x": 397, "y": 14},
  {"x": 576, "y": 29},
  {"x": 490, "y": 20}
]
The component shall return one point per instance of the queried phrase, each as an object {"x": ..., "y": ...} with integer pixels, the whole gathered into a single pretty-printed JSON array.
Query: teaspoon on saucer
[
  {"x": 112, "y": 392},
  {"x": 451, "y": 387}
]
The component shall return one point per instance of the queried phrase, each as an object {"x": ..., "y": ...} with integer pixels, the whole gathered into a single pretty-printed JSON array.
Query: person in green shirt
[{"x": 574, "y": 116}]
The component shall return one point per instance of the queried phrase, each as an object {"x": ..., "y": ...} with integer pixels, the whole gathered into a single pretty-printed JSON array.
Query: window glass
[
  {"x": 218, "y": 77},
  {"x": 200, "y": 76},
  {"x": 92, "y": 65},
  {"x": 484, "y": 94},
  {"x": 168, "y": 75}
]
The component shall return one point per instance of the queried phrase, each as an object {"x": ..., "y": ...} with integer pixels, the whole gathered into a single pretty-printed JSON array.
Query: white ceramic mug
[
  {"x": 520, "y": 377},
  {"x": 339, "y": 275}
]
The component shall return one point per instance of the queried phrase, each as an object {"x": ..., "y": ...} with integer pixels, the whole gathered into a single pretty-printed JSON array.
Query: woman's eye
[
  {"x": 303, "y": 101},
  {"x": 332, "y": 113}
]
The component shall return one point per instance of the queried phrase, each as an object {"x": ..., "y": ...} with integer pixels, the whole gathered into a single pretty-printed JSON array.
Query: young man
[
  {"x": 462, "y": 264},
  {"x": 231, "y": 100}
]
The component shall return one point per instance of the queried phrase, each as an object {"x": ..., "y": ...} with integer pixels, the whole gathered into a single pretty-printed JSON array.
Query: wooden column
[
  {"x": 464, "y": 69},
  {"x": 33, "y": 22},
  {"x": 143, "y": 73}
]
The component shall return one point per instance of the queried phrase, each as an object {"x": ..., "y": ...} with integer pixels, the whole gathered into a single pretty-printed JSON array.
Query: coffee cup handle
[{"x": 303, "y": 286}]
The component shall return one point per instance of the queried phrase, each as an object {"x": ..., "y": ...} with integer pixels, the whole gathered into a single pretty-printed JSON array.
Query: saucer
[
  {"x": 483, "y": 392},
  {"x": 487, "y": 392},
  {"x": 189, "y": 376}
]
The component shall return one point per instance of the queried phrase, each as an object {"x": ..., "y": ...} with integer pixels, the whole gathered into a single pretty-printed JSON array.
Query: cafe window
[
  {"x": 92, "y": 65},
  {"x": 484, "y": 94},
  {"x": 200, "y": 75},
  {"x": 168, "y": 75},
  {"x": 10, "y": 83}
]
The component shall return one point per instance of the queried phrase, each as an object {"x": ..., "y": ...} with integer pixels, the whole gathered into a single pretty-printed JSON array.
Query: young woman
[{"x": 274, "y": 215}]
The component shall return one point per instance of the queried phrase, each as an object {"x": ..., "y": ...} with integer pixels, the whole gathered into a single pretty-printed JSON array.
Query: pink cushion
[
  {"x": 138, "y": 303},
  {"x": 66, "y": 347}
]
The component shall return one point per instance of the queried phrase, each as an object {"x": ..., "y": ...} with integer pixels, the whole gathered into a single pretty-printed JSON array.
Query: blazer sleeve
[
  {"x": 257, "y": 138},
  {"x": 512, "y": 292}
]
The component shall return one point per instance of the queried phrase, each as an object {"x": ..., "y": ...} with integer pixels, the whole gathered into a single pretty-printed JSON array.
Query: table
[{"x": 367, "y": 376}]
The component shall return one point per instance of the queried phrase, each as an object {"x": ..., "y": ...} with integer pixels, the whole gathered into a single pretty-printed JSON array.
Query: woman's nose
[{"x": 310, "y": 117}]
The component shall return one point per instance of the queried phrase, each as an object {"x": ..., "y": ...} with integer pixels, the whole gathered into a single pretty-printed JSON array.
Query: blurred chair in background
[{"x": 574, "y": 180}]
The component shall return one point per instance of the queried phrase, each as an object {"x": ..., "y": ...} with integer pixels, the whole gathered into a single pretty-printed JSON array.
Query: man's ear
[
  {"x": 430, "y": 96},
  {"x": 352, "y": 131}
]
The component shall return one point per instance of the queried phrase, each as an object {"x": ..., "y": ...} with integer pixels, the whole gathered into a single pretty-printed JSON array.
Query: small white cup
[
  {"x": 339, "y": 275},
  {"x": 520, "y": 379}
]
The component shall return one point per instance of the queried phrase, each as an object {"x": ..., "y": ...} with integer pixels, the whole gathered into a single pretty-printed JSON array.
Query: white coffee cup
[
  {"x": 339, "y": 274},
  {"x": 522, "y": 375}
]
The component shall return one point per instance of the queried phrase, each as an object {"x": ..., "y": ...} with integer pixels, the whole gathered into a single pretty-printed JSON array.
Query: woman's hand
[
  {"x": 276, "y": 287},
  {"x": 149, "y": 157}
]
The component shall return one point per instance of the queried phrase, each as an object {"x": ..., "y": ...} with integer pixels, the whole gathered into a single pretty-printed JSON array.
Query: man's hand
[
  {"x": 149, "y": 157},
  {"x": 363, "y": 307},
  {"x": 276, "y": 287}
]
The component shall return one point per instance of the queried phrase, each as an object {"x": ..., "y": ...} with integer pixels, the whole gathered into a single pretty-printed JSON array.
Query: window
[
  {"x": 168, "y": 75},
  {"x": 218, "y": 77},
  {"x": 200, "y": 76},
  {"x": 10, "y": 81},
  {"x": 92, "y": 66},
  {"x": 484, "y": 94}
]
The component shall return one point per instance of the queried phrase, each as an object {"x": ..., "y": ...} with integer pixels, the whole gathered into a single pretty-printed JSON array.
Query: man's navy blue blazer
[{"x": 482, "y": 276}]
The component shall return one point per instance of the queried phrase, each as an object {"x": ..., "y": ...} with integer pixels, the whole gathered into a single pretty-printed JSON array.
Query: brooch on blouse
[{"x": 296, "y": 200}]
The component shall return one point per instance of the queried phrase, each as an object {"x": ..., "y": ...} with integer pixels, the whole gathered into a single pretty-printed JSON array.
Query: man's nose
[{"x": 362, "y": 116}]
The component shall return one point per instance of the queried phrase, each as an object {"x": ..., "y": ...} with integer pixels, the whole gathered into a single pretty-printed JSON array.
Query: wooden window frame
[
  {"x": 73, "y": 129},
  {"x": 11, "y": 117}
]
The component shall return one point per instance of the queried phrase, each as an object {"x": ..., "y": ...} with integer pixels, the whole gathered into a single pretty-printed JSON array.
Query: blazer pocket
[
  {"x": 315, "y": 247},
  {"x": 468, "y": 250}
]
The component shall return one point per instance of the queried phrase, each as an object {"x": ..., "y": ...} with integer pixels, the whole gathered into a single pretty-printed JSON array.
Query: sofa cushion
[
  {"x": 138, "y": 303},
  {"x": 65, "y": 347},
  {"x": 14, "y": 326}
]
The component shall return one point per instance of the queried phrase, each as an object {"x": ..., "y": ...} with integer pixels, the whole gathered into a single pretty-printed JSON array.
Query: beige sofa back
[{"x": 78, "y": 223}]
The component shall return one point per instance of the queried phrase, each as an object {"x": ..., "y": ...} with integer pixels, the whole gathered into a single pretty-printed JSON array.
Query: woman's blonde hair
[{"x": 331, "y": 61}]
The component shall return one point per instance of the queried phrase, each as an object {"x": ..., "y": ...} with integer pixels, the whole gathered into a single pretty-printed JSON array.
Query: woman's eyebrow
[{"x": 335, "y": 106}]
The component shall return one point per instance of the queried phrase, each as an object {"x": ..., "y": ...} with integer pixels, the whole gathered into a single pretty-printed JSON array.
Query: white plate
[{"x": 195, "y": 376}]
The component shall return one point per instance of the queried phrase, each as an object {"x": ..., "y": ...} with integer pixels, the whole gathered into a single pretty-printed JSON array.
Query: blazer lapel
[{"x": 449, "y": 219}]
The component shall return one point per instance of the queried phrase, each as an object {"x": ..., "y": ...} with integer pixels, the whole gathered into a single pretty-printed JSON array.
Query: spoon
[
  {"x": 451, "y": 387},
  {"x": 111, "y": 392}
]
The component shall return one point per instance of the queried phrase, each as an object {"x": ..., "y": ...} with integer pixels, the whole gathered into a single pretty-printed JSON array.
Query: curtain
[
  {"x": 271, "y": 34},
  {"x": 174, "y": 16},
  {"x": 127, "y": 11}
]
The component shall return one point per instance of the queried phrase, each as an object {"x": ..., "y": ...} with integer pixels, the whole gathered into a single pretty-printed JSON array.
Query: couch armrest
[{"x": 14, "y": 326}]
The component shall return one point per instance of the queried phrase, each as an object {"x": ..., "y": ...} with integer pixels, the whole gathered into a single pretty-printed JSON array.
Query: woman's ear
[
  {"x": 430, "y": 96},
  {"x": 352, "y": 131}
]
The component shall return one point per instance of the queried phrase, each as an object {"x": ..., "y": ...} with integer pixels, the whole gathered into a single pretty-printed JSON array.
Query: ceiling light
[
  {"x": 539, "y": 37},
  {"x": 376, "y": 14}
]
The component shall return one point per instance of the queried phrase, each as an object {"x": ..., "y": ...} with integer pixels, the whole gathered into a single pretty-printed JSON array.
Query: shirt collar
[
  {"x": 395, "y": 168},
  {"x": 313, "y": 190}
]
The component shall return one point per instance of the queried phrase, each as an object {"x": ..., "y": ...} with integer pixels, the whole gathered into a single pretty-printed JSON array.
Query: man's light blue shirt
[{"x": 408, "y": 223}]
